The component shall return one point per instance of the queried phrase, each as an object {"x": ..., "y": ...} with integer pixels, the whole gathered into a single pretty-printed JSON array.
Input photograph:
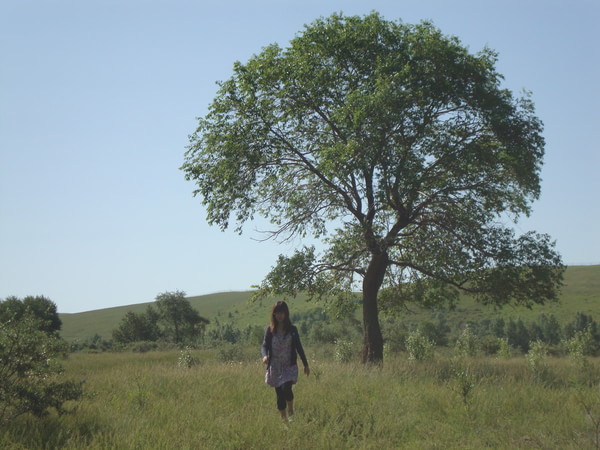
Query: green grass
[
  {"x": 147, "y": 401},
  {"x": 581, "y": 293}
]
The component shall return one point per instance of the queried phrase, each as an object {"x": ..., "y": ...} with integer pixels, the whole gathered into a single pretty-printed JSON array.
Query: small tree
[
  {"x": 504, "y": 350},
  {"x": 467, "y": 343},
  {"x": 138, "y": 327},
  {"x": 581, "y": 344},
  {"x": 344, "y": 351},
  {"x": 180, "y": 320},
  {"x": 537, "y": 359},
  {"x": 29, "y": 371},
  {"x": 582, "y": 322},
  {"x": 418, "y": 346}
]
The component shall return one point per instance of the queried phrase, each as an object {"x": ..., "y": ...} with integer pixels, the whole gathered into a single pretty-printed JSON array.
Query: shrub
[
  {"x": 536, "y": 358},
  {"x": 581, "y": 323},
  {"x": 464, "y": 381},
  {"x": 581, "y": 344},
  {"x": 29, "y": 381},
  {"x": 186, "y": 360},
  {"x": 466, "y": 344},
  {"x": 344, "y": 351},
  {"x": 419, "y": 347},
  {"x": 504, "y": 350}
]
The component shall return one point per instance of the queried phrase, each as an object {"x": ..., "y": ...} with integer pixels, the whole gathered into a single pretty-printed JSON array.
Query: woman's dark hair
[{"x": 281, "y": 307}]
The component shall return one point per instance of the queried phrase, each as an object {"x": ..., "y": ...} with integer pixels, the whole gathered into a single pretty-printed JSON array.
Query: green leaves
[
  {"x": 180, "y": 320},
  {"x": 173, "y": 320},
  {"x": 39, "y": 308},
  {"x": 291, "y": 275},
  {"x": 29, "y": 370},
  {"x": 392, "y": 142}
]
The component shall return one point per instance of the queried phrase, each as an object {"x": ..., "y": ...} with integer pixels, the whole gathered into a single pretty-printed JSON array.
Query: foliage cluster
[
  {"x": 466, "y": 344},
  {"x": 501, "y": 335},
  {"x": 30, "y": 379},
  {"x": 536, "y": 359},
  {"x": 95, "y": 343},
  {"x": 39, "y": 308},
  {"x": 344, "y": 351},
  {"x": 418, "y": 346},
  {"x": 173, "y": 320},
  {"x": 186, "y": 359}
]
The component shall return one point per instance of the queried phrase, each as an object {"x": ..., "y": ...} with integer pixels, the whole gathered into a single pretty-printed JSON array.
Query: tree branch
[
  {"x": 458, "y": 284},
  {"x": 310, "y": 166}
]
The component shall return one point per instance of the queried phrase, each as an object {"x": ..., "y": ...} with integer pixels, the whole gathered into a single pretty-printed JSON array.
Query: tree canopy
[
  {"x": 136, "y": 327},
  {"x": 40, "y": 308},
  {"x": 180, "y": 320},
  {"x": 395, "y": 146}
]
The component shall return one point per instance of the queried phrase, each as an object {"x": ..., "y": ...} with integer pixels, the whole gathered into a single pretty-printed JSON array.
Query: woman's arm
[
  {"x": 300, "y": 351},
  {"x": 264, "y": 348}
]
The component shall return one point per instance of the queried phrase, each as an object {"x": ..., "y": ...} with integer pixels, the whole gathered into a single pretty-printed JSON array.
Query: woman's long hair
[{"x": 287, "y": 324}]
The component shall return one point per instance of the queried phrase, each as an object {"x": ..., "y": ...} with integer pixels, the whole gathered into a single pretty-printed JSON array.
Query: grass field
[
  {"x": 147, "y": 401},
  {"x": 581, "y": 293}
]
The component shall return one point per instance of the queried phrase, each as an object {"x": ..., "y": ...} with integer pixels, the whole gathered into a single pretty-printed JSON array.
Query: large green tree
[{"x": 399, "y": 149}]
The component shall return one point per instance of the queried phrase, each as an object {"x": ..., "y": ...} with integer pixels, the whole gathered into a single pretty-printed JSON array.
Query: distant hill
[{"x": 581, "y": 293}]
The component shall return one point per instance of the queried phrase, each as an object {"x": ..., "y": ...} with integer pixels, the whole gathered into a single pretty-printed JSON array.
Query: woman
[{"x": 280, "y": 349}]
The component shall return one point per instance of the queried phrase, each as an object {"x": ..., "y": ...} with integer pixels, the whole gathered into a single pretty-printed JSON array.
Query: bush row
[{"x": 317, "y": 327}]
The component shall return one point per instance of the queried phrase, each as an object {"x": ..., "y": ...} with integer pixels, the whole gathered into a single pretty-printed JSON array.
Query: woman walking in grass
[{"x": 280, "y": 349}]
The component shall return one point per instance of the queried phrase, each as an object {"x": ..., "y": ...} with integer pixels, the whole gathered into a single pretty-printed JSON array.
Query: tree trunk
[{"x": 373, "y": 340}]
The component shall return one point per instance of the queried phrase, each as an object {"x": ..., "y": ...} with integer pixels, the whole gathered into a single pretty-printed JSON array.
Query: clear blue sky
[{"x": 97, "y": 99}]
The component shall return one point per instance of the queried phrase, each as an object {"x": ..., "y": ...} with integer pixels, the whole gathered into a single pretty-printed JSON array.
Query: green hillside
[
  {"x": 102, "y": 321},
  {"x": 581, "y": 293}
]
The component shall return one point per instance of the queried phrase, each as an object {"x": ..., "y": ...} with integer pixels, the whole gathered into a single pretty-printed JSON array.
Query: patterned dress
[{"x": 281, "y": 370}]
